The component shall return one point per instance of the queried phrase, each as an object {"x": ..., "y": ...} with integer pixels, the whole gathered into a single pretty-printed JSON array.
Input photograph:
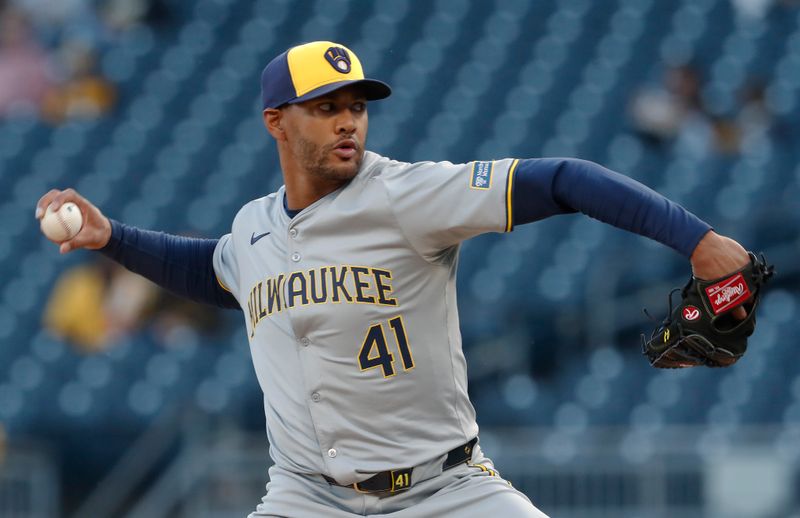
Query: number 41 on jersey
[{"x": 375, "y": 349}]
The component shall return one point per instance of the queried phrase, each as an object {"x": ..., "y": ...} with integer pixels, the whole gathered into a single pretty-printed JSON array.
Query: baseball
[{"x": 63, "y": 224}]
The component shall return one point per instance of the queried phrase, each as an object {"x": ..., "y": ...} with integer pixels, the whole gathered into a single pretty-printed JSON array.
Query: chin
[
  {"x": 347, "y": 173},
  {"x": 335, "y": 172},
  {"x": 347, "y": 169}
]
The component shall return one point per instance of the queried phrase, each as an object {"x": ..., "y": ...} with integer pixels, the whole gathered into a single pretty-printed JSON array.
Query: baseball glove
[{"x": 701, "y": 330}]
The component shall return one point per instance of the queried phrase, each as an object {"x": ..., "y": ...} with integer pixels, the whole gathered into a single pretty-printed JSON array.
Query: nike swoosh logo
[{"x": 255, "y": 237}]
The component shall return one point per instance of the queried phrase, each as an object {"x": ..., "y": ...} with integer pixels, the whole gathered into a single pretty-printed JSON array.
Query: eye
[
  {"x": 326, "y": 107},
  {"x": 359, "y": 106}
]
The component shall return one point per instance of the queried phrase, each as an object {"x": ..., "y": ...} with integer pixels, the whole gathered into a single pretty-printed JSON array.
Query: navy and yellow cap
[{"x": 313, "y": 69}]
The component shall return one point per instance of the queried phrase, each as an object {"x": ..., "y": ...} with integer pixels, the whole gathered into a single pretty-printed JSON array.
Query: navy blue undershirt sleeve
[
  {"x": 548, "y": 186},
  {"x": 180, "y": 264}
]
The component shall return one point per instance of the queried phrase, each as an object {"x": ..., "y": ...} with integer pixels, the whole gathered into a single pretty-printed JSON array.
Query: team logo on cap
[{"x": 339, "y": 59}]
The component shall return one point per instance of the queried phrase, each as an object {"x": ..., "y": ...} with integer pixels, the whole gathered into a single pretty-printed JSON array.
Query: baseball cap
[{"x": 314, "y": 69}]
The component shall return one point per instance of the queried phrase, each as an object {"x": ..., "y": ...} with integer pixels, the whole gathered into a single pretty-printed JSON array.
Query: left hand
[{"x": 717, "y": 256}]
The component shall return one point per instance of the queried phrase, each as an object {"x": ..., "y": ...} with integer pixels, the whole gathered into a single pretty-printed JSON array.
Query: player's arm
[
  {"x": 180, "y": 264},
  {"x": 548, "y": 186}
]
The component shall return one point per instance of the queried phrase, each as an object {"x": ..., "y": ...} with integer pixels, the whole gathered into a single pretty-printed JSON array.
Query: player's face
[{"x": 326, "y": 135}]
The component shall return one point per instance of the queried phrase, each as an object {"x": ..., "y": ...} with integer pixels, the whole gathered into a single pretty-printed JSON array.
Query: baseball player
[{"x": 346, "y": 280}]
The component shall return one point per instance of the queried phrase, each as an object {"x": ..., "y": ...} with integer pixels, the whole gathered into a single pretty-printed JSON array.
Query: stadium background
[{"x": 695, "y": 98}]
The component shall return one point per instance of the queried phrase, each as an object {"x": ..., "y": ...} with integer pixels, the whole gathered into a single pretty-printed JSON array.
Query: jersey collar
[{"x": 289, "y": 212}]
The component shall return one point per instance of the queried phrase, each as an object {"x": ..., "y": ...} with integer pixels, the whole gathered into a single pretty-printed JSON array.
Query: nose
[{"x": 345, "y": 122}]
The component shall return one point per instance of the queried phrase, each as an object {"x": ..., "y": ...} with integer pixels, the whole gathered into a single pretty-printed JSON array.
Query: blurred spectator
[
  {"x": 48, "y": 54},
  {"x": 84, "y": 93},
  {"x": 178, "y": 321},
  {"x": 727, "y": 135},
  {"x": 95, "y": 23},
  {"x": 120, "y": 15},
  {"x": 752, "y": 9},
  {"x": 93, "y": 304},
  {"x": 673, "y": 112},
  {"x": 755, "y": 119},
  {"x": 757, "y": 10},
  {"x": 24, "y": 66},
  {"x": 55, "y": 21}
]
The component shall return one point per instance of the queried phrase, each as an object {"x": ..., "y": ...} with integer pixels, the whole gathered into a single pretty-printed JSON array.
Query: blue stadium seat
[{"x": 186, "y": 145}]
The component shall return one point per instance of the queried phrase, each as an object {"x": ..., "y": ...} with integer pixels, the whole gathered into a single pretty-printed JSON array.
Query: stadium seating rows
[{"x": 186, "y": 148}]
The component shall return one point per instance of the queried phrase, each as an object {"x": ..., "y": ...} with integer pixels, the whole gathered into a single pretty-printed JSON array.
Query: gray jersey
[{"x": 351, "y": 313}]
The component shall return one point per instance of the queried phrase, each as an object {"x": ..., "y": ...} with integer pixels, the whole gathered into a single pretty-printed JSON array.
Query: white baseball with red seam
[{"x": 63, "y": 224}]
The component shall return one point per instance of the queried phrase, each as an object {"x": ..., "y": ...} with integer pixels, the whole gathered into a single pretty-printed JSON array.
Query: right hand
[{"x": 96, "y": 229}]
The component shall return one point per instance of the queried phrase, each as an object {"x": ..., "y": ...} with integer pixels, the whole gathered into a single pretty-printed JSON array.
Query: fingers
[
  {"x": 739, "y": 313},
  {"x": 56, "y": 198},
  {"x": 44, "y": 201},
  {"x": 68, "y": 195},
  {"x": 81, "y": 240},
  {"x": 70, "y": 245}
]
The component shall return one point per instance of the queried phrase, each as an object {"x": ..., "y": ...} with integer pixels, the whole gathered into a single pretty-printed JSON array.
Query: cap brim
[{"x": 373, "y": 90}]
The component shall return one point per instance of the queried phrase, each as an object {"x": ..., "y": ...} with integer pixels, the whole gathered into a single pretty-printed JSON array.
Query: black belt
[{"x": 395, "y": 480}]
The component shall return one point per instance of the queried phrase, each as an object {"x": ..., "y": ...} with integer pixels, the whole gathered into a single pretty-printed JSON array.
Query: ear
[{"x": 273, "y": 121}]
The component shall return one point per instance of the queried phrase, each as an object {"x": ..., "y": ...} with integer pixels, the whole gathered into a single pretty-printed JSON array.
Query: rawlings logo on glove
[
  {"x": 727, "y": 294},
  {"x": 701, "y": 329}
]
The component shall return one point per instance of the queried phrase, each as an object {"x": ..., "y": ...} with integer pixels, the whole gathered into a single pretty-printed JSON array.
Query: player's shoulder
[
  {"x": 393, "y": 172},
  {"x": 256, "y": 208},
  {"x": 376, "y": 166}
]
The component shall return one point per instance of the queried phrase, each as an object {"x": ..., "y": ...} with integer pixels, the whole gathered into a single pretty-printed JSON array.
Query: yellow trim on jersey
[
  {"x": 223, "y": 286},
  {"x": 483, "y": 468},
  {"x": 509, "y": 187}
]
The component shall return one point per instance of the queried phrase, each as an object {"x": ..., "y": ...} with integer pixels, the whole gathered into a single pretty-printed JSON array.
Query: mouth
[{"x": 346, "y": 148}]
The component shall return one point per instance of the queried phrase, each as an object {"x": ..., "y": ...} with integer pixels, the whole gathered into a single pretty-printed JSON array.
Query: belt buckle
[{"x": 359, "y": 490}]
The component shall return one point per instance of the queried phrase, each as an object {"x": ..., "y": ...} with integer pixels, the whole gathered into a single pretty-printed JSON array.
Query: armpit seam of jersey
[
  {"x": 400, "y": 225},
  {"x": 448, "y": 316}
]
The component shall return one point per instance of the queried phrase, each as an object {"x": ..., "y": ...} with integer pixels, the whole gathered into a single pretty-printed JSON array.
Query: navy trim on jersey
[
  {"x": 183, "y": 265},
  {"x": 545, "y": 187},
  {"x": 289, "y": 212}
]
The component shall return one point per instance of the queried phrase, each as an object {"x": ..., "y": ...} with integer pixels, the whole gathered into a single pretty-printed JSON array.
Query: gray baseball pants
[{"x": 469, "y": 490}]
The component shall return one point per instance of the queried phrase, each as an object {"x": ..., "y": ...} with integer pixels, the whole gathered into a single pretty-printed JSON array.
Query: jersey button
[
  {"x": 296, "y": 256},
  {"x": 293, "y": 232},
  {"x": 305, "y": 341},
  {"x": 332, "y": 453},
  {"x": 315, "y": 397}
]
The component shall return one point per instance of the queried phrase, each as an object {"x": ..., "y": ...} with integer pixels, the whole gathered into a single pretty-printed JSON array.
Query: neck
[{"x": 302, "y": 188}]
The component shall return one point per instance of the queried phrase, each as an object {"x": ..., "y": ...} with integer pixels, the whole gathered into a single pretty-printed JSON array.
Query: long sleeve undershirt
[
  {"x": 183, "y": 265},
  {"x": 542, "y": 187},
  {"x": 545, "y": 187}
]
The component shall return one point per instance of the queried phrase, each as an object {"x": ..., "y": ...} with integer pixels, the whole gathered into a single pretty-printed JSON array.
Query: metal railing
[
  {"x": 595, "y": 473},
  {"x": 29, "y": 483}
]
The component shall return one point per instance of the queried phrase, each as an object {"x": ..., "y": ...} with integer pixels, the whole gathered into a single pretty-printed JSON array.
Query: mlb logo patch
[{"x": 481, "y": 177}]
